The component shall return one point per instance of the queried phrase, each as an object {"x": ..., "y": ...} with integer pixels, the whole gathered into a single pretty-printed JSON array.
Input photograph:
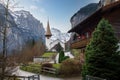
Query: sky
[{"x": 58, "y": 12}]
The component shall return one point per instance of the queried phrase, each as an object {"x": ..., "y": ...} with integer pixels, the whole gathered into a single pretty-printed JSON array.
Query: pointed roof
[{"x": 48, "y": 31}]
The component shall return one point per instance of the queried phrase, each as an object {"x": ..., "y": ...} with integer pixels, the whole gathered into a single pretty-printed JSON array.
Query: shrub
[
  {"x": 56, "y": 66},
  {"x": 70, "y": 66},
  {"x": 62, "y": 56},
  {"x": 47, "y": 65},
  {"x": 34, "y": 68}
]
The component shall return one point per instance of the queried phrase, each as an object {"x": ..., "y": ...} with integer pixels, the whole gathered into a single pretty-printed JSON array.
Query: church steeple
[{"x": 48, "y": 31}]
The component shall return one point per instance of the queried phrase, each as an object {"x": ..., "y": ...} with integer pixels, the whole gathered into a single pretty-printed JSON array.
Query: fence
[
  {"x": 49, "y": 70},
  {"x": 93, "y": 78},
  {"x": 33, "y": 77}
]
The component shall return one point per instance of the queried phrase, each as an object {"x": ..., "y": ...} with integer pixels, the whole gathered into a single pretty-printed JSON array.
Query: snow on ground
[
  {"x": 27, "y": 74},
  {"x": 42, "y": 77}
]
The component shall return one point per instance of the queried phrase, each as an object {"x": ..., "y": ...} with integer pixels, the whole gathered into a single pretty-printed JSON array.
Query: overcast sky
[{"x": 59, "y": 12}]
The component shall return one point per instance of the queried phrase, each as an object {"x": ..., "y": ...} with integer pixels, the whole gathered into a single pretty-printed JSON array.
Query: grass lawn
[
  {"x": 56, "y": 66},
  {"x": 35, "y": 68},
  {"x": 75, "y": 52},
  {"x": 48, "y": 54}
]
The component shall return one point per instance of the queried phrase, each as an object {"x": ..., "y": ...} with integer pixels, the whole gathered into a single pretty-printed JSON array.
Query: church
[{"x": 50, "y": 44}]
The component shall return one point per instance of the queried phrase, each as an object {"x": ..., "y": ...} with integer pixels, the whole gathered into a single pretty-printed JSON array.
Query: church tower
[{"x": 48, "y": 35}]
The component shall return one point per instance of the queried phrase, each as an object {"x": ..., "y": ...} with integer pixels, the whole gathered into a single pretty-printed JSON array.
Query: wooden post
[
  {"x": 33, "y": 77},
  {"x": 38, "y": 77},
  {"x": 28, "y": 78}
]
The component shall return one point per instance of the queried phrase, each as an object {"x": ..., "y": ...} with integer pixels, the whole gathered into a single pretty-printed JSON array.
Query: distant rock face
[
  {"x": 83, "y": 13},
  {"x": 23, "y": 27},
  {"x": 57, "y": 34},
  {"x": 30, "y": 26}
]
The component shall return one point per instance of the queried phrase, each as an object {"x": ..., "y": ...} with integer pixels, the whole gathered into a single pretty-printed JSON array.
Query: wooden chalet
[{"x": 109, "y": 9}]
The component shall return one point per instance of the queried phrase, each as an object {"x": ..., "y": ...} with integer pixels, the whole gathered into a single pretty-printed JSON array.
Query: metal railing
[
  {"x": 93, "y": 78},
  {"x": 33, "y": 77}
]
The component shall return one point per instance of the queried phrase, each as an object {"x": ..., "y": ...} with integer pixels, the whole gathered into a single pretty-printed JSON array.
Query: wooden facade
[
  {"x": 110, "y": 12},
  {"x": 80, "y": 43}
]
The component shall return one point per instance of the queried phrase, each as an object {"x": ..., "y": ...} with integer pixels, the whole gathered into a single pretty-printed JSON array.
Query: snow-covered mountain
[
  {"x": 29, "y": 26},
  {"x": 23, "y": 27},
  {"x": 57, "y": 34}
]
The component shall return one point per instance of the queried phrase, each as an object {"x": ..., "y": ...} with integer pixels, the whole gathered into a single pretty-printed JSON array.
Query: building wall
[
  {"x": 39, "y": 60},
  {"x": 48, "y": 46},
  {"x": 114, "y": 19},
  {"x": 106, "y": 2}
]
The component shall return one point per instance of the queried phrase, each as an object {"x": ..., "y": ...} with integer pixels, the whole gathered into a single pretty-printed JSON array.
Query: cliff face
[
  {"x": 83, "y": 13},
  {"x": 30, "y": 27},
  {"x": 22, "y": 28}
]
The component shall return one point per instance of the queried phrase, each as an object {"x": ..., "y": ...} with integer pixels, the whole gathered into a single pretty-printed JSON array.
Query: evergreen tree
[
  {"x": 102, "y": 57},
  {"x": 61, "y": 56}
]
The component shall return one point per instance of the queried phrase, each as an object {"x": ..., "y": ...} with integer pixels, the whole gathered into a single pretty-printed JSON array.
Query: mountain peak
[
  {"x": 22, "y": 12},
  {"x": 24, "y": 27},
  {"x": 58, "y": 35}
]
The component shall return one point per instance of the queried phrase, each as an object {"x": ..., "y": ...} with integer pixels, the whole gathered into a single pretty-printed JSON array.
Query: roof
[
  {"x": 48, "y": 32},
  {"x": 40, "y": 57},
  {"x": 99, "y": 12},
  {"x": 82, "y": 22},
  {"x": 57, "y": 40}
]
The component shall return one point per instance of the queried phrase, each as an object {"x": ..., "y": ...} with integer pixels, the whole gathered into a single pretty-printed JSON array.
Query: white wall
[
  {"x": 39, "y": 60},
  {"x": 48, "y": 41}
]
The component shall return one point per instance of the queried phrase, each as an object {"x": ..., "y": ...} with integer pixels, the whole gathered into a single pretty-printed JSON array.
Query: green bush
[
  {"x": 62, "y": 56},
  {"x": 35, "y": 68},
  {"x": 56, "y": 66},
  {"x": 70, "y": 66}
]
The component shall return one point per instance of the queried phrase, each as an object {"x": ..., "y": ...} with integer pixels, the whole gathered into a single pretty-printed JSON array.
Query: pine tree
[
  {"x": 61, "y": 56},
  {"x": 102, "y": 58}
]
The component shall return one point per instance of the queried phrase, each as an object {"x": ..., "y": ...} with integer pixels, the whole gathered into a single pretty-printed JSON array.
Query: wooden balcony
[{"x": 80, "y": 43}]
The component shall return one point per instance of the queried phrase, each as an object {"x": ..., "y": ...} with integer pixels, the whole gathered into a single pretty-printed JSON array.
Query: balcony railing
[{"x": 80, "y": 43}]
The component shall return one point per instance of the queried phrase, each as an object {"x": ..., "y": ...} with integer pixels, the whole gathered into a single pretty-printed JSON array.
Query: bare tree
[
  {"x": 4, "y": 28},
  {"x": 29, "y": 51}
]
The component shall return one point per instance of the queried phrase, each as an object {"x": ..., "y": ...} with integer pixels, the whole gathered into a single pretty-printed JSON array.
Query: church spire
[{"x": 48, "y": 31}]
